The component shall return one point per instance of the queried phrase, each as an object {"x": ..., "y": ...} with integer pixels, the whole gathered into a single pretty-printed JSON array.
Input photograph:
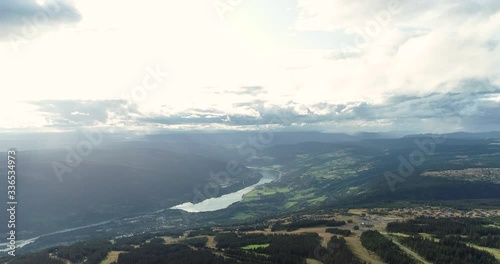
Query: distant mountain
[
  {"x": 375, "y": 135},
  {"x": 130, "y": 174},
  {"x": 376, "y": 170},
  {"x": 236, "y": 138},
  {"x": 60, "y": 188},
  {"x": 463, "y": 135},
  {"x": 272, "y": 138},
  {"x": 30, "y": 141}
]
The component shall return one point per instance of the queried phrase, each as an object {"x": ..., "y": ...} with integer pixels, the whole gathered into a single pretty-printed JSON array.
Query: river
[
  {"x": 222, "y": 202},
  {"x": 22, "y": 243},
  {"x": 208, "y": 205}
]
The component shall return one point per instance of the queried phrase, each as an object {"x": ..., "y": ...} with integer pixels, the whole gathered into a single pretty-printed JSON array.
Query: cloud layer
[
  {"x": 472, "y": 107},
  {"x": 31, "y": 18},
  {"x": 330, "y": 65}
]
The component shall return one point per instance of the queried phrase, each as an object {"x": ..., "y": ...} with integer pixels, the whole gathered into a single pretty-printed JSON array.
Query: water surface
[{"x": 226, "y": 200}]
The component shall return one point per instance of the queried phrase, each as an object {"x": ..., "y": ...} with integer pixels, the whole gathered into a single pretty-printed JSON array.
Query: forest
[
  {"x": 477, "y": 231},
  {"x": 337, "y": 252},
  {"x": 159, "y": 253},
  {"x": 280, "y": 248},
  {"x": 385, "y": 248},
  {"x": 294, "y": 225},
  {"x": 91, "y": 252},
  {"x": 446, "y": 242},
  {"x": 287, "y": 248},
  {"x": 447, "y": 250},
  {"x": 338, "y": 231}
]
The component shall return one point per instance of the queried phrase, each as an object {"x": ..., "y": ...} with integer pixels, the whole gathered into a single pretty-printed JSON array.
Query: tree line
[
  {"x": 294, "y": 225},
  {"x": 338, "y": 231},
  {"x": 384, "y": 248},
  {"x": 468, "y": 230},
  {"x": 447, "y": 250}
]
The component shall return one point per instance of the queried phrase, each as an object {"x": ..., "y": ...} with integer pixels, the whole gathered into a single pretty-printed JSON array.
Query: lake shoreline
[{"x": 224, "y": 201}]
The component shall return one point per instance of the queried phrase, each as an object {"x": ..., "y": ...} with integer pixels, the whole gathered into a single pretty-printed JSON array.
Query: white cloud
[{"x": 413, "y": 49}]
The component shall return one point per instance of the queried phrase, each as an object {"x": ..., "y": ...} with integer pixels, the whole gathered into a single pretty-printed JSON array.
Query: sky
[{"x": 207, "y": 65}]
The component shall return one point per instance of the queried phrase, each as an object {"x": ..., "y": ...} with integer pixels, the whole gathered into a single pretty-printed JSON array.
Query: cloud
[
  {"x": 248, "y": 90},
  {"x": 30, "y": 18},
  {"x": 335, "y": 15},
  {"x": 74, "y": 113},
  {"x": 468, "y": 108},
  {"x": 381, "y": 65},
  {"x": 471, "y": 106},
  {"x": 425, "y": 47}
]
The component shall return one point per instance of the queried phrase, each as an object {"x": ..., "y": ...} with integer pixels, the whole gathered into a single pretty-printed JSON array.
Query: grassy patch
[
  {"x": 317, "y": 200},
  {"x": 494, "y": 251},
  {"x": 242, "y": 216},
  {"x": 395, "y": 234},
  {"x": 252, "y": 247},
  {"x": 112, "y": 257},
  {"x": 306, "y": 194},
  {"x": 265, "y": 191},
  {"x": 312, "y": 261},
  {"x": 338, "y": 166}
]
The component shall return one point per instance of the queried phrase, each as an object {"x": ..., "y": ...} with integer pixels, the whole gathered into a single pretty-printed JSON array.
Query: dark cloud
[{"x": 28, "y": 19}]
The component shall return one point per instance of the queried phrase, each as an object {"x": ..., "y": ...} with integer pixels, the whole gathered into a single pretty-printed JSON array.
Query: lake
[
  {"x": 226, "y": 200},
  {"x": 208, "y": 205}
]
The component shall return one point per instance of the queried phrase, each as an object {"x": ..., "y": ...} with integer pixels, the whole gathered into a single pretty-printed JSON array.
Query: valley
[
  {"x": 261, "y": 235},
  {"x": 250, "y": 132},
  {"x": 317, "y": 191}
]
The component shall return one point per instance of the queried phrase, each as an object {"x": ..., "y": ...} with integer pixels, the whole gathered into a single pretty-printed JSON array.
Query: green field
[
  {"x": 265, "y": 191},
  {"x": 252, "y": 247},
  {"x": 242, "y": 216}
]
